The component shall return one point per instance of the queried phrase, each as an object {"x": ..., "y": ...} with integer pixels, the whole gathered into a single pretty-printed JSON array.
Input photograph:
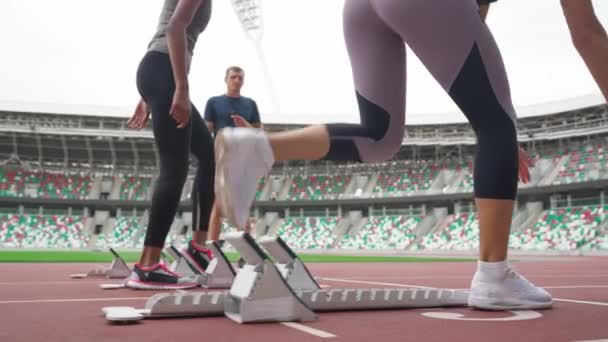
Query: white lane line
[
  {"x": 59, "y": 282},
  {"x": 69, "y": 300},
  {"x": 600, "y": 340},
  {"x": 565, "y": 287},
  {"x": 580, "y": 301},
  {"x": 309, "y": 330},
  {"x": 517, "y": 316},
  {"x": 432, "y": 277},
  {"x": 576, "y": 287},
  {"x": 376, "y": 283}
]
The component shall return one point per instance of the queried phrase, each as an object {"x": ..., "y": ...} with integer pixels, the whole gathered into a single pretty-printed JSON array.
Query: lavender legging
[{"x": 457, "y": 48}]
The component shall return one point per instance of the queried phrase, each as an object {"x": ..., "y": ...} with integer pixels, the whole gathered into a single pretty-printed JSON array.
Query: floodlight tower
[{"x": 249, "y": 13}]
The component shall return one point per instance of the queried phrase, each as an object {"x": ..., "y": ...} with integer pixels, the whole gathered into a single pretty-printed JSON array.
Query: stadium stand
[{"x": 100, "y": 160}]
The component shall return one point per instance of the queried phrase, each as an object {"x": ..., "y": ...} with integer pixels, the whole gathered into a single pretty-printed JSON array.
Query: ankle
[{"x": 493, "y": 270}]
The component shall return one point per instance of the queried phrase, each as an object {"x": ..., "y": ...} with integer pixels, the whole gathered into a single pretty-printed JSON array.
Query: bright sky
[{"x": 81, "y": 56}]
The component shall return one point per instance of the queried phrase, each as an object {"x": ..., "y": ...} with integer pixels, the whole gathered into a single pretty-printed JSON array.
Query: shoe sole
[
  {"x": 140, "y": 285},
  {"x": 488, "y": 304},
  {"x": 221, "y": 175}
]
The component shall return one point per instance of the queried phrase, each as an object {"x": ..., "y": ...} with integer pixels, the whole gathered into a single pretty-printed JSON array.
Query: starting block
[
  {"x": 263, "y": 292},
  {"x": 117, "y": 269},
  {"x": 259, "y": 292},
  {"x": 219, "y": 273},
  {"x": 180, "y": 264},
  {"x": 289, "y": 264}
]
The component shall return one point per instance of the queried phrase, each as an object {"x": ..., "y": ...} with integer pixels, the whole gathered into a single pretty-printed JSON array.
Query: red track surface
[{"x": 38, "y": 302}]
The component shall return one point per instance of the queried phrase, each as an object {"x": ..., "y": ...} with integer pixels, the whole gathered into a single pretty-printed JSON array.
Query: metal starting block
[
  {"x": 180, "y": 264},
  {"x": 289, "y": 264},
  {"x": 262, "y": 292},
  {"x": 259, "y": 292},
  {"x": 218, "y": 275},
  {"x": 117, "y": 269}
]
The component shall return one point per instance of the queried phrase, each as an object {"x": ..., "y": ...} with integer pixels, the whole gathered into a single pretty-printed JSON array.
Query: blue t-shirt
[{"x": 219, "y": 110}]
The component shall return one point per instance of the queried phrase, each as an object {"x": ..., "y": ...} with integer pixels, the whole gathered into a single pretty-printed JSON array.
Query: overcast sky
[{"x": 81, "y": 56}]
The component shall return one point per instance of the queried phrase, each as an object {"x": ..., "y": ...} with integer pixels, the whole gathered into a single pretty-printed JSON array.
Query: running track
[{"x": 39, "y": 302}]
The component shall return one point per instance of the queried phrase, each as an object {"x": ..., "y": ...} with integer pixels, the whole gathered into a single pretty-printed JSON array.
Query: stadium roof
[{"x": 74, "y": 62}]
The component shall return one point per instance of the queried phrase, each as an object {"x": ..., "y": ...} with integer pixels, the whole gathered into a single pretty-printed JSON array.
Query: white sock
[{"x": 493, "y": 270}]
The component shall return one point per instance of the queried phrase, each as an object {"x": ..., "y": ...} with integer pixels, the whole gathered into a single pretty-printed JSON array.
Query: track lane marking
[{"x": 309, "y": 330}]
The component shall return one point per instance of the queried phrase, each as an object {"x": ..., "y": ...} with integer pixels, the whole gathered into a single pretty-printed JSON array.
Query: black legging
[{"x": 156, "y": 86}]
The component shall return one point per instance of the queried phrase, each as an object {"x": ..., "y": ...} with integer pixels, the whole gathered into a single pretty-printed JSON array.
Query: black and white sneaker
[
  {"x": 158, "y": 277},
  {"x": 198, "y": 256}
]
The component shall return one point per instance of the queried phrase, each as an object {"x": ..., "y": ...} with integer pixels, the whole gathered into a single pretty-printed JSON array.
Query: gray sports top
[{"x": 198, "y": 25}]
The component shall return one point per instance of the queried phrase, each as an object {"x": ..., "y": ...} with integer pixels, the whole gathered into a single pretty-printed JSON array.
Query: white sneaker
[
  {"x": 243, "y": 156},
  {"x": 511, "y": 292}
]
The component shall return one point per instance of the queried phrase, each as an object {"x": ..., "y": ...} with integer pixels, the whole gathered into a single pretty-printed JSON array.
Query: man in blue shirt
[{"x": 230, "y": 110}]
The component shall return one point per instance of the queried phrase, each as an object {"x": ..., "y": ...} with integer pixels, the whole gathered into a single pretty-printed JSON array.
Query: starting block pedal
[
  {"x": 289, "y": 264},
  {"x": 261, "y": 292},
  {"x": 181, "y": 265},
  {"x": 219, "y": 273},
  {"x": 117, "y": 269}
]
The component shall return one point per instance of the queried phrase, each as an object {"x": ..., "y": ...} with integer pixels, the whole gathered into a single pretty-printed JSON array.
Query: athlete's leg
[
  {"x": 173, "y": 148},
  {"x": 156, "y": 86},
  {"x": 202, "y": 191},
  {"x": 460, "y": 52},
  {"x": 589, "y": 38}
]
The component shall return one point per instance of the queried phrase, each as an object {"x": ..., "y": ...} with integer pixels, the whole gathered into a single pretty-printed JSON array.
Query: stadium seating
[
  {"x": 383, "y": 232},
  {"x": 124, "y": 234},
  {"x": 42, "y": 231},
  {"x": 585, "y": 163},
  {"x": 563, "y": 229},
  {"x": 135, "y": 188},
  {"x": 15, "y": 182},
  {"x": 460, "y": 232},
  {"x": 404, "y": 182},
  {"x": 309, "y": 232},
  {"x": 560, "y": 229},
  {"x": 317, "y": 187}
]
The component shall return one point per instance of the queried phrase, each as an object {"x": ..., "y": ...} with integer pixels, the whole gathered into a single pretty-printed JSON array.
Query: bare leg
[
  {"x": 150, "y": 256},
  {"x": 310, "y": 143},
  {"x": 495, "y": 217},
  {"x": 215, "y": 223},
  {"x": 589, "y": 38},
  {"x": 200, "y": 237},
  {"x": 483, "y": 11}
]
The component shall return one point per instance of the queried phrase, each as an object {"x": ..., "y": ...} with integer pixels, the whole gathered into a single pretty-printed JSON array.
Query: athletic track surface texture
[{"x": 39, "y": 302}]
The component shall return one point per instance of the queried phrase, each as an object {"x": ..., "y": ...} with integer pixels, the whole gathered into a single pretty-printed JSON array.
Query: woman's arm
[
  {"x": 177, "y": 44},
  {"x": 176, "y": 40}
]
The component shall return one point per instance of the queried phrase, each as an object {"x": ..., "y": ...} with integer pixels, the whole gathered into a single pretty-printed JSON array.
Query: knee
[
  {"x": 174, "y": 176},
  {"x": 384, "y": 149}
]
